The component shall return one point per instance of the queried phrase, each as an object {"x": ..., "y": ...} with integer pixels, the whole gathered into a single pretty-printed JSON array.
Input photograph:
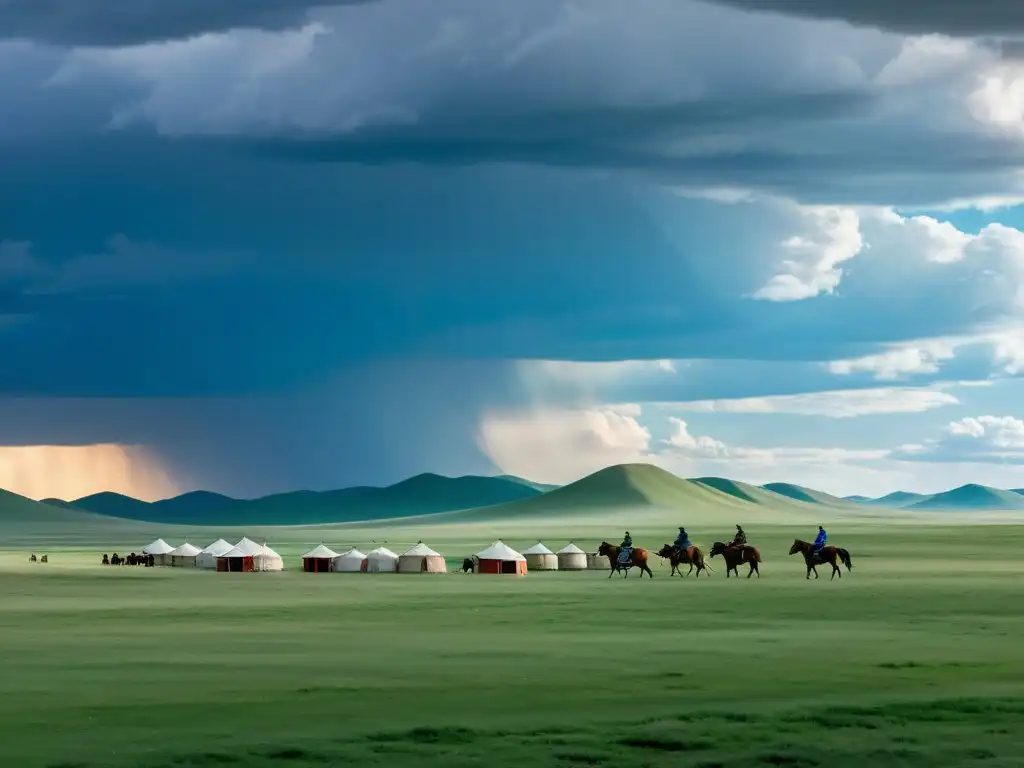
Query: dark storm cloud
[
  {"x": 129, "y": 22},
  {"x": 958, "y": 18}
]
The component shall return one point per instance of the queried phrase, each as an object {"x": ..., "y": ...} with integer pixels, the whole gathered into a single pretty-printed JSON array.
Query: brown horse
[
  {"x": 637, "y": 557},
  {"x": 736, "y": 556},
  {"x": 677, "y": 557},
  {"x": 831, "y": 555}
]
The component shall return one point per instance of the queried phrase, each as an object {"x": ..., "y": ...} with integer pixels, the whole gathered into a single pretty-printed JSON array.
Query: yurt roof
[
  {"x": 268, "y": 552},
  {"x": 219, "y": 547},
  {"x": 383, "y": 552},
  {"x": 158, "y": 547},
  {"x": 571, "y": 549},
  {"x": 185, "y": 550},
  {"x": 321, "y": 552},
  {"x": 538, "y": 549},
  {"x": 501, "y": 551},
  {"x": 247, "y": 547},
  {"x": 352, "y": 554},
  {"x": 422, "y": 550}
]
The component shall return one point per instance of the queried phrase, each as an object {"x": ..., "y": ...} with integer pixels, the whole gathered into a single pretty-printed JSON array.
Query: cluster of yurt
[
  {"x": 248, "y": 556},
  {"x": 497, "y": 559},
  {"x": 323, "y": 559}
]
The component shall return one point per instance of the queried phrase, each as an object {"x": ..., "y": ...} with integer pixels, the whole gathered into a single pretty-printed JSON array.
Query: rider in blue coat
[
  {"x": 819, "y": 542},
  {"x": 682, "y": 541}
]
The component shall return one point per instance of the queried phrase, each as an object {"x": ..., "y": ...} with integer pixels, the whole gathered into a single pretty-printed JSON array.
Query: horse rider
[
  {"x": 625, "y": 548},
  {"x": 682, "y": 542},
  {"x": 739, "y": 540},
  {"x": 819, "y": 543}
]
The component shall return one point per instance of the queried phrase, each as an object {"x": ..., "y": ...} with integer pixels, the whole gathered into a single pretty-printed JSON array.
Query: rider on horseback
[
  {"x": 739, "y": 540},
  {"x": 682, "y": 542},
  {"x": 819, "y": 543},
  {"x": 626, "y": 548}
]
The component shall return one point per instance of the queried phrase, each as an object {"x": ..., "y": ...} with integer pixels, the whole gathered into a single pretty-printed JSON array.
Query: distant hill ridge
[
  {"x": 419, "y": 495},
  {"x": 478, "y": 497},
  {"x": 971, "y": 496}
]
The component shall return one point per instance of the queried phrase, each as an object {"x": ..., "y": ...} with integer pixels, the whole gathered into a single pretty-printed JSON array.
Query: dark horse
[
  {"x": 467, "y": 565},
  {"x": 831, "y": 555},
  {"x": 637, "y": 557},
  {"x": 677, "y": 557},
  {"x": 736, "y": 556}
]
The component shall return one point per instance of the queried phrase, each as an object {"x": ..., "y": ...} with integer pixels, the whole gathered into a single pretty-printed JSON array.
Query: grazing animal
[
  {"x": 831, "y": 555},
  {"x": 638, "y": 558},
  {"x": 32, "y": 558},
  {"x": 106, "y": 559},
  {"x": 467, "y": 565},
  {"x": 44, "y": 559},
  {"x": 677, "y": 557},
  {"x": 736, "y": 556}
]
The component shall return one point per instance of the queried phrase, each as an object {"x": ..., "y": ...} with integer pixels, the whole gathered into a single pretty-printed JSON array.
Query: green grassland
[{"x": 913, "y": 659}]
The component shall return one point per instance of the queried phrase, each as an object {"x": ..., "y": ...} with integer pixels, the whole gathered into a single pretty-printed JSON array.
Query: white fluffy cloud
[
  {"x": 812, "y": 264},
  {"x": 974, "y": 440},
  {"x": 560, "y": 446},
  {"x": 839, "y": 404}
]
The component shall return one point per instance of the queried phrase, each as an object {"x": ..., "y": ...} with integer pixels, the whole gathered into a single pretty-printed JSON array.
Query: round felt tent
[
  {"x": 421, "y": 559},
  {"x": 208, "y": 557},
  {"x": 161, "y": 552},
  {"x": 247, "y": 556},
  {"x": 184, "y": 556},
  {"x": 499, "y": 558},
  {"x": 352, "y": 561},
  {"x": 381, "y": 560},
  {"x": 572, "y": 558},
  {"x": 596, "y": 562},
  {"x": 318, "y": 559},
  {"x": 540, "y": 558}
]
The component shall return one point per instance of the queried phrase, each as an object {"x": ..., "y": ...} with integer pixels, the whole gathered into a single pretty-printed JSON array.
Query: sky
[{"x": 255, "y": 246}]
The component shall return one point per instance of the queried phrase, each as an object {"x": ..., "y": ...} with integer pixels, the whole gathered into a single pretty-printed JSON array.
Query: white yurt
[
  {"x": 596, "y": 562},
  {"x": 247, "y": 555},
  {"x": 381, "y": 560},
  {"x": 352, "y": 561},
  {"x": 499, "y": 558},
  {"x": 184, "y": 556},
  {"x": 208, "y": 557},
  {"x": 318, "y": 559},
  {"x": 421, "y": 559},
  {"x": 572, "y": 558},
  {"x": 540, "y": 558},
  {"x": 161, "y": 552}
]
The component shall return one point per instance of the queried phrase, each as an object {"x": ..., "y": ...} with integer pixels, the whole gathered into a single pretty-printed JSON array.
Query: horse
[
  {"x": 831, "y": 555},
  {"x": 736, "y": 556},
  {"x": 637, "y": 557},
  {"x": 677, "y": 557},
  {"x": 467, "y": 565}
]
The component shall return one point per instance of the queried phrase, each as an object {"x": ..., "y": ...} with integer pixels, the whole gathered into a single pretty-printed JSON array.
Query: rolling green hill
[
  {"x": 806, "y": 495},
  {"x": 898, "y": 499},
  {"x": 420, "y": 495},
  {"x": 742, "y": 491},
  {"x": 618, "y": 487},
  {"x": 971, "y": 496}
]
